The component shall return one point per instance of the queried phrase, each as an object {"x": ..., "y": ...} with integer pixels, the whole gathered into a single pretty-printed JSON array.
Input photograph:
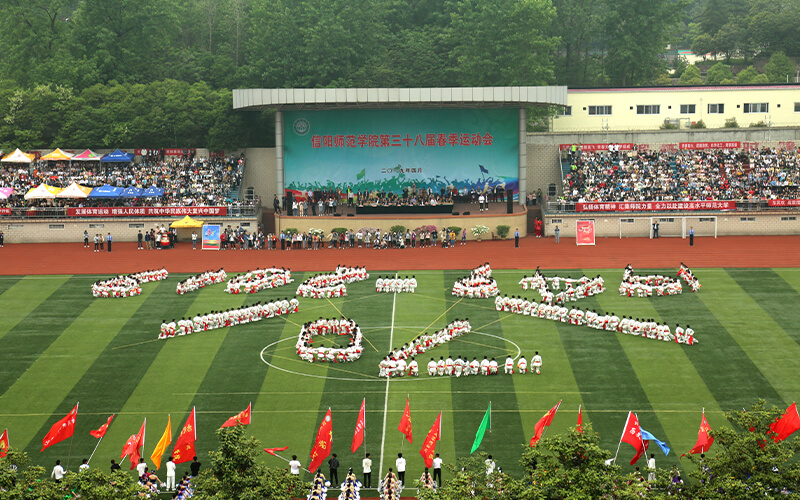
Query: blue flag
[
  {"x": 483, "y": 169},
  {"x": 646, "y": 436}
]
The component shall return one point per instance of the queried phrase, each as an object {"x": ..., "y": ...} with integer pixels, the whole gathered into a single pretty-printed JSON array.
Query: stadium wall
[{"x": 753, "y": 136}]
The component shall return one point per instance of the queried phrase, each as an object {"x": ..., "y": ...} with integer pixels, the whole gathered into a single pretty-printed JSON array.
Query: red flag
[
  {"x": 184, "y": 445},
  {"x": 543, "y": 422},
  {"x": 704, "y": 441},
  {"x": 429, "y": 445},
  {"x": 358, "y": 435},
  {"x": 133, "y": 447},
  {"x": 579, "y": 427},
  {"x": 4, "y": 444},
  {"x": 99, "y": 433},
  {"x": 61, "y": 430},
  {"x": 243, "y": 418},
  {"x": 323, "y": 443},
  {"x": 405, "y": 423},
  {"x": 633, "y": 436},
  {"x": 272, "y": 451},
  {"x": 786, "y": 425}
]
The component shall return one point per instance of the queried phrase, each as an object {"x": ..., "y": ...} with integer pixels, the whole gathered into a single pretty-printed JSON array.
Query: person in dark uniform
[
  {"x": 516, "y": 238},
  {"x": 276, "y": 205},
  {"x": 691, "y": 236},
  {"x": 655, "y": 229},
  {"x": 333, "y": 465}
]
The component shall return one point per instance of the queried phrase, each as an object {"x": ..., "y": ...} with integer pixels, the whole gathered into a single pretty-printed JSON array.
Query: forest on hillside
[{"x": 104, "y": 73}]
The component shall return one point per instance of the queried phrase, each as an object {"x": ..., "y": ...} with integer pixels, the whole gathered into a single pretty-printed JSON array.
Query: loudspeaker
[
  {"x": 465, "y": 213},
  {"x": 455, "y": 213},
  {"x": 351, "y": 215},
  {"x": 510, "y": 201}
]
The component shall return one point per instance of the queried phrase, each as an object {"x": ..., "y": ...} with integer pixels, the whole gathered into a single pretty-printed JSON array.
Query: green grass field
[{"x": 61, "y": 346}]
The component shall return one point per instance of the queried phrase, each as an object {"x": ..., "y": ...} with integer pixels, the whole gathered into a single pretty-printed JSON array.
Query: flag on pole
[
  {"x": 483, "y": 169},
  {"x": 543, "y": 422},
  {"x": 184, "y": 445},
  {"x": 323, "y": 443},
  {"x": 704, "y": 441},
  {"x": 429, "y": 445},
  {"x": 161, "y": 447},
  {"x": 273, "y": 451},
  {"x": 361, "y": 174},
  {"x": 486, "y": 423},
  {"x": 786, "y": 425},
  {"x": 61, "y": 430},
  {"x": 647, "y": 436},
  {"x": 579, "y": 426},
  {"x": 632, "y": 434},
  {"x": 99, "y": 433},
  {"x": 132, "y": 447},
  {"x": 405, "y": 423},
  {"x": 4, "y": 443},
  {"x": 358, "y": 435},
  {"x": 243, "y": 418}
]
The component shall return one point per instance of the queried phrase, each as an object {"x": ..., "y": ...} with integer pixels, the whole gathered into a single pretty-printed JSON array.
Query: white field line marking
[{"x": 386, "y": 397}]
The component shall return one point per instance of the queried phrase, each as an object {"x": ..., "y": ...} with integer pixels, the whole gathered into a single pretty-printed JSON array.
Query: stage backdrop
[{"x": 392, "y": 149}]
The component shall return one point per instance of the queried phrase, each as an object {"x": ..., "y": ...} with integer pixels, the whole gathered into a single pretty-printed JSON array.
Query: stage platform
[{"x": 495, "y": 215}]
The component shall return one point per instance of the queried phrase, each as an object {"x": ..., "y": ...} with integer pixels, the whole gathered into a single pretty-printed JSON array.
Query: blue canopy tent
[
  {"x": 117, "y": 157},
  {"x": 105, "y": 191},
  {"x": 131, "y": 192},
  {"x": 152, "y": 192}
]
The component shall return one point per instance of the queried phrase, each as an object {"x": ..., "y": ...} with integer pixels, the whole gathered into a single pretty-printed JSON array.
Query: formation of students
[
  {"x": 400, "y": 362},
  {"x": 550, "y": 288},
  {"x": 689, "y": 277},
  {"x": 461, "y": 366},
  {"x": 319, "y": 487},
  {"x": 390, "y": 487},
  {"x": 522, "y": 364},
  {"x": 484, "y": 270},
  {"x": 260, "y": 279},
  {"x": 201, "y": 280},
  {"x": 399, "y": 285},
  {"x": 151, "y": 275},
  {"x": 231, "y": 317},
  {"x": 351, "y": 487},
  {"x": 634, "y": 285},
  {"x": 333, "y": 284},
  {"x": 331, "y": 326},
  {"x": 117, "y": 287},
  {"x": 646, "y": 328},
  {"x": 475, "y": 286}
]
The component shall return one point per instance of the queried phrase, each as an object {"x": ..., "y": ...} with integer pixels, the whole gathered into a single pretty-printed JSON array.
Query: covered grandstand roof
[{"x": 252, "y": 99}]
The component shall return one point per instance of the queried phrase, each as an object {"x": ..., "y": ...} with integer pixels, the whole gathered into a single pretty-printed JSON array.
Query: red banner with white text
[
  {"x": 5, "y": 211},
  {"x": 145, "y": 211},
  {"x": 710, "y": 145},
  {"x": 599, "y": 147},
  {"x": 783, "y": 203},
  {"x": 645, "y": 206},
  {"x": 584, "y": 232}
]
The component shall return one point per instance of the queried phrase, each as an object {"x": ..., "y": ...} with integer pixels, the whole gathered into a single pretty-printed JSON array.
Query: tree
[
  {"x": 236, "y": 474},
  {"x": 717, "y": 73},
  {"x": 747, "y": 462},
  {"x": 471, "y": 481},
  {"x": 703, "y": 45},
  {"x": 779, "y": 68},
  {"x": 691, "y": 76},
  {"x": 578, "y": 25},
  {"x": 746, "y": 75}
]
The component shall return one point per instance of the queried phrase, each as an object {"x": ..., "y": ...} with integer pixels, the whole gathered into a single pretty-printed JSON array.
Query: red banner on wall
[
  {"x": 144, "y": 211},
  {"x": 5, "y": 211},
  {"x": 598, "y": 147},
  {"x": 783, "y": 203},
  {"x": 710, "y": 145},
  {"x": 584, "y": 232},
  {"x": 644, "y": 206},
  {"x": 167, "y": 152}
]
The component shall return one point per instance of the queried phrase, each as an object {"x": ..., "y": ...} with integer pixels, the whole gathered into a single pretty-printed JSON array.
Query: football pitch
[{"x": 60, "y": 346}]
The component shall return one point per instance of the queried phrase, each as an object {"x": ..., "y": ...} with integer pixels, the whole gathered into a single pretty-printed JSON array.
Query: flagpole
[
  {"x": 73, "y": 435},
  {"x": 365, "y": 426},
  {"x": 490, "y": 427},
  {"x": 641, "y": 439},
  {"x": 704, "y": 417},
  {"x": 287, "y": 460},
  {"x": 95, "y": 448},
  {"x": 621, "y": 436}
]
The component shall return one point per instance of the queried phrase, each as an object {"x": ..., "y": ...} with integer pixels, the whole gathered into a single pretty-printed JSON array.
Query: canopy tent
[
  {"x": 5, "y": 193},
  {"x": 105, "y": 191},
  {"x": 131, "y": 192},
  {"x": 42, "y": 192},
  {"x": 19, "y": 157},
  {"x": 87, "y": 155},
  {"x": 187, "y": 222},
  {"x": 57, "y": 155},
  {"x": 152, "y": 192},
  {"x": 117, "y": 157},
  {"x": 75, "y": 191}
]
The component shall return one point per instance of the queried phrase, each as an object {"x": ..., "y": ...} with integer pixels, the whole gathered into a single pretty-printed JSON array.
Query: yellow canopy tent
[
  {"x": 42, "y": 192},
  {"x": 57, "y": 155},
  {"x": 187, "y": 222},
  {"x": 18, "y": 157},
  {"x": 75, "y": 190}
]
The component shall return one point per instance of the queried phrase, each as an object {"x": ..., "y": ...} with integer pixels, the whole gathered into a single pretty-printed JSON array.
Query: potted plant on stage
[
  {"x": 479, "y": 230},
  {"x": 502, "y": 231}
]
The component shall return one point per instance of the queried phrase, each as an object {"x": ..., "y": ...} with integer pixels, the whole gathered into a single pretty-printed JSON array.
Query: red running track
[{"x": 613, "y": 253}]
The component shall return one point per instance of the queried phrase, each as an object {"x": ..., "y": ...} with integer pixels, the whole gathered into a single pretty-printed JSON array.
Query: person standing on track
[
  {"x": 516, "y": 238},
  {"x": 401, "y": 468},
  {"x": 108, "y": 240},
  {"x": 691, "y": 236},
  {"x": 437, "y": 470},
  {"x": 366, "y": 464},
  {"x": 85, "y": 239}
]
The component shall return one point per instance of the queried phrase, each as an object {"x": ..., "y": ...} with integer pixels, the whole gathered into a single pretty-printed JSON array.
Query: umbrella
[
  {"x": 42, "y": 192},
  {"x": 105, "y": 191},
  {"x": 131, "y": 192},
  {"x": 5, "y": 193},
  {"x": 152, "y": 192},
  {"x": 57, "y": 155},
  {"x": 87, "y": 155},
  {"x": 75, "y": 191},
  {"x": 117, "y": 157}
]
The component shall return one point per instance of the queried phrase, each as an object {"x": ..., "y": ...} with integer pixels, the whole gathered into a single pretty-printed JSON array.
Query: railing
[
  {"x": 568, "y": 207},
  {"x": 61, "y": 212}
]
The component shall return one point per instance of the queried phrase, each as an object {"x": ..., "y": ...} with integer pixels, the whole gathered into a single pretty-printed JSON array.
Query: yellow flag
[{"x": 161, "y": 447}]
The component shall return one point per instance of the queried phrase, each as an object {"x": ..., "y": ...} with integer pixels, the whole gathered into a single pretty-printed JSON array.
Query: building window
[
  {"x": 556, "y": 221},
  {"x": 747, "y": 219},
  {"x": 599, "y": 110},
  {"x": 648, "y": 109},
  {"x": 687, "y": 109},
  {"x": 797, "y": 107},
  {"x": 756, "y": 107},
  {"x": 56, "y": 226},
  {"x": 788, "y": 218},
  {"x": 716, "y": 109},
  {"x": 565, "y": 111}
]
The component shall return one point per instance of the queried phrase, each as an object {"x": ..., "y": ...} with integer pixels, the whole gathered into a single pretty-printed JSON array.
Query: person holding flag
[
  {"x": 429, "y": 445},
  {"x": 405, "y": 423},
  {"x": 632, "y": 434},
  {"x": 100, "y": 433},
  {"x": 358, "y": 434},
  {"x": 158, "y": 452},
  {"x": 61, "y": 430},
  {"x": 132, "y": 448},
  {"x": 323, "y": 442}
]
